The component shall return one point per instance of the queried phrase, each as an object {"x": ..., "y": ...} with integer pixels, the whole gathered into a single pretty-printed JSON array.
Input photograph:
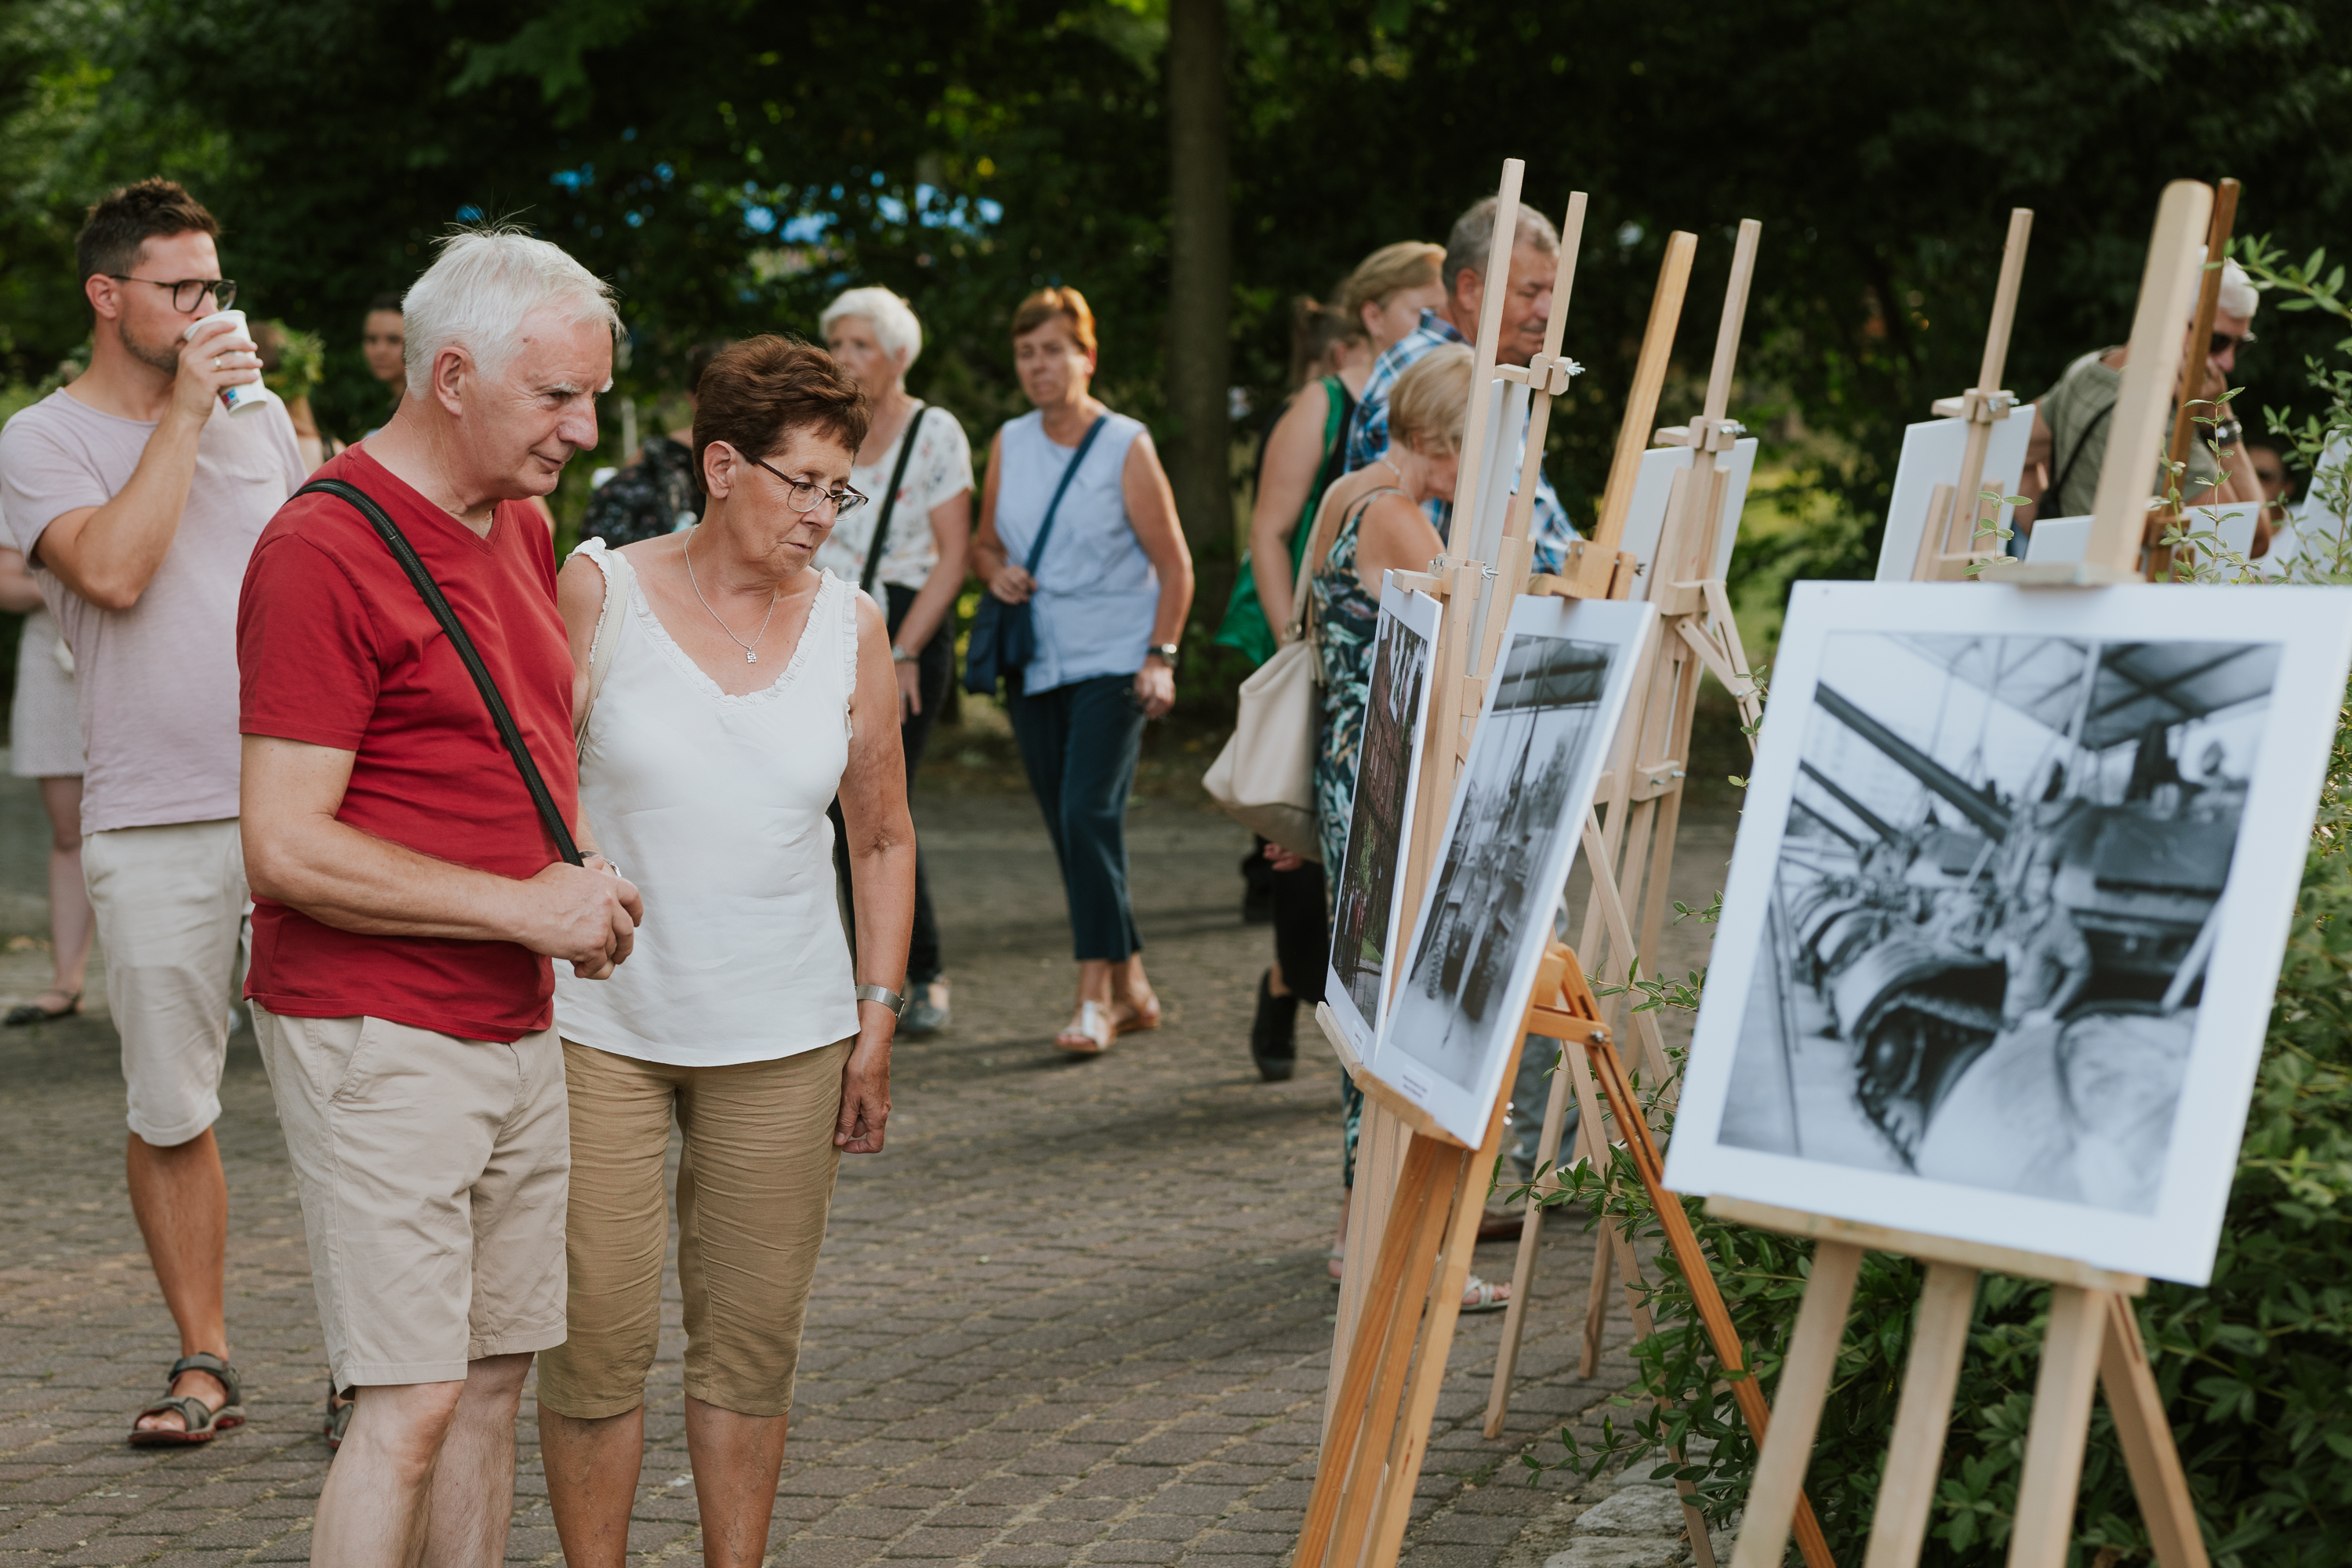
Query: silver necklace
[{"x": 750, "y": 649}]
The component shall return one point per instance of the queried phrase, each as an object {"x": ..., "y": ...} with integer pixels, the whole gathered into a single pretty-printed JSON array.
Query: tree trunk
[{"x": 1199, "y": 258}]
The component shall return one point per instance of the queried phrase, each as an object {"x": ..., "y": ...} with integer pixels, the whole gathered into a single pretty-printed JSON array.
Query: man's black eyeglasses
[
  {"x": 2224, "y": 341},
  {"x": 804, "y": 495},
  {"x": 188, "y": 293}
]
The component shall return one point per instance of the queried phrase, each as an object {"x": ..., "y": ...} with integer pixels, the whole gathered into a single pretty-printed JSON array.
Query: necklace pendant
[{"x": 750, "y": 656}]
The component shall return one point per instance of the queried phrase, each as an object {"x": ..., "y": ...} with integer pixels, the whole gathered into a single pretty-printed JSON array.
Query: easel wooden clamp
[{"x": 2093, "y": 1338}]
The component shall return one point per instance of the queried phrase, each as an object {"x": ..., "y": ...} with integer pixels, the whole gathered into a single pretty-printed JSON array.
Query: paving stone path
[{"x": 1077, "y": 1312}]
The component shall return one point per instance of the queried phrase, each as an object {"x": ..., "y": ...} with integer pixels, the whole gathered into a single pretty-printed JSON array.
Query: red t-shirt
[{"x": 334, "y": 647}]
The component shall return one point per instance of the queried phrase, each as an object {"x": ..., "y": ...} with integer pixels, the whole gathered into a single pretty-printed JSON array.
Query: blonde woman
[{"x": 1381, "y": 528}]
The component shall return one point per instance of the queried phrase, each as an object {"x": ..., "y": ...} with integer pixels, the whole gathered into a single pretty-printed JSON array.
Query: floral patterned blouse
[{"x": 1347, "y": 618}]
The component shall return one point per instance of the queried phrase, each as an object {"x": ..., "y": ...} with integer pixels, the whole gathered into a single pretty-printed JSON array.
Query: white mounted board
[
  {"x": 1931, "y": 456},
  {"x": 1368, "y": 889},
  {"x": 2012, "y": 888},
  {"x": 2069, "y": 538},
  {"x": 1551, "y": 712},
  {"x": 1646, "y": 515}
]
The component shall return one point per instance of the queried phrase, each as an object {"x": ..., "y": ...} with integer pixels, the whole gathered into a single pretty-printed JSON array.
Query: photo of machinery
[{"x": 1993, "y": 906}]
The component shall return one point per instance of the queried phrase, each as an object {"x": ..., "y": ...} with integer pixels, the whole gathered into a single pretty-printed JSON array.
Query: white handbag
[{"x": 1265, "y": 778}]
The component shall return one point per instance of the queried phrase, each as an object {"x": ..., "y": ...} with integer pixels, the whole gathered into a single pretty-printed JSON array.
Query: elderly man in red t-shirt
[{"x": 408, "y": 897}]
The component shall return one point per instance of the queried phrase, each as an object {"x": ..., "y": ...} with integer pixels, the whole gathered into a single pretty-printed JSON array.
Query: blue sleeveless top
[{"x": 1096, "y": 592}]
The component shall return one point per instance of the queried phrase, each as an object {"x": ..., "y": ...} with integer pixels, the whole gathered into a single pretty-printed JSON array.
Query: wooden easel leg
[
  {"x": 2146, "y": 1441},
  {"x": 1797, "y": 1407},
  {"x": 1523, "y": 1270},
  {"x": 1898, "y": 1527},
  {"x": 2061, "y": 1417},
  {"x": 1380, "y": 1156},
  {"x": 1595, "y": 1133},
  {"x": 1393, "y": 1508},
  {"x": 1376, "y": 1326}
]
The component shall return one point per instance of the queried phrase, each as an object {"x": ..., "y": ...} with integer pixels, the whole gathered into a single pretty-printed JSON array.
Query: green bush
[{"x": 2255, "y": 1368}]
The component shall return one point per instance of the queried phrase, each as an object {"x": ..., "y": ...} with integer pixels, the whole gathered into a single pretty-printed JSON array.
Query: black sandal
[
  {"x": 204, "y": 1422},
  {"x": 1273, "y": 1032},
  {"x": 33, "y": 1013}
]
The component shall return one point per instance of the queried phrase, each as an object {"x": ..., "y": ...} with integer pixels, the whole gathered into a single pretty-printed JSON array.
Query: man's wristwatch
[
  {"x": 1167, "y": 652},
  {"x": 898, "y": 655},
  {"x": 887, "y": 997}
]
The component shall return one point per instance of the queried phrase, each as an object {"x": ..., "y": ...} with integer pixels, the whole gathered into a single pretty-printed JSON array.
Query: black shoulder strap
[
  {"x": 430, "y": 591},
  {"x": 881, "y": 540},
  {"x": 2057, "y": 492},
  {"x": 1045, "y": 528}
]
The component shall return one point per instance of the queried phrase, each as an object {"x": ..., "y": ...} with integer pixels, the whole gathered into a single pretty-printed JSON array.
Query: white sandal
[
  {"x": 1479, "y": 1296},
  {"x": 1088, "y": 1032}
]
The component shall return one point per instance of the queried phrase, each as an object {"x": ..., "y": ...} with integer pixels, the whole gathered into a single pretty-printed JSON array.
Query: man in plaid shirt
[{"x": 1526, "y": 308}]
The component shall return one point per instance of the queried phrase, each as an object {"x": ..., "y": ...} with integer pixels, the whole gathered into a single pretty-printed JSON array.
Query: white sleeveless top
[{"x": 715, "y": 807}]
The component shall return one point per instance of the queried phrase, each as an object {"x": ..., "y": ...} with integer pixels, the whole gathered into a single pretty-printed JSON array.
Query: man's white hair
[
  {"x": 893, "y": 317},
  {"x": 2238, "y": 296},
  {"x": 481, "y": 288}
]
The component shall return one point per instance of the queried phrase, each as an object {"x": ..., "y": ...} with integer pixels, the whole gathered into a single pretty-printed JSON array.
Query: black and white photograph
[
  {"x": 1551, "y": 711},
  {"x": 1364, "y": 913},
  {"x": 1983, "y": 913}
]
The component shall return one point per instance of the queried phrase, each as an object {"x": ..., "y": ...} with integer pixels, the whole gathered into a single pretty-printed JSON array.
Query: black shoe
[
  {"x": 1274, "y": 1032},
  {"x": 1257, "y": 888}
]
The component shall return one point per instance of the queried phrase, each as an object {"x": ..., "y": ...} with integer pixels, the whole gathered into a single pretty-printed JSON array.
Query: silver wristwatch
[
  {"x": 1167, "y": 652},
  {"x": 898, "y": 655},
  {"x": 887, "y": 997}
]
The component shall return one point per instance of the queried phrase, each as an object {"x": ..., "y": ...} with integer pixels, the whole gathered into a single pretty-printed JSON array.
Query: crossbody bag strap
[
  {"x": 430, "y": 591},
  {"x": 1037, "y": 550},
  {"x": 881, "y": 540}
]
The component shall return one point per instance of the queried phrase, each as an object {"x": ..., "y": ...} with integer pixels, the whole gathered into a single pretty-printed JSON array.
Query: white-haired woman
[{"x": 908, "y": 549}]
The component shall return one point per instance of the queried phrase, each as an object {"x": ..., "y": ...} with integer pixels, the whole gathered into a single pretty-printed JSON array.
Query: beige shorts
[
  {"x": 432, "y": 1172},
  {"x": 174, "y": 919},
  {"x": 753, "y": 1189}
]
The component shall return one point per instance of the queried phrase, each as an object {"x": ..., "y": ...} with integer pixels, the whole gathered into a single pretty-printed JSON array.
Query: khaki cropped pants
[{"x": 754, "y": 1187}]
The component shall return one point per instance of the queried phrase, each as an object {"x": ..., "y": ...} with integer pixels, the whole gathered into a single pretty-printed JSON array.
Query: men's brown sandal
[{"x": 203, "y": 1422}]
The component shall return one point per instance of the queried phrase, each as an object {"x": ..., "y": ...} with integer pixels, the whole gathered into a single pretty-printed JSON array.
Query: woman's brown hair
[
  {"x": 1047, "y": 303},
  {"x": 756, "y": 393},
  {"x": 1407, "y": 264}
]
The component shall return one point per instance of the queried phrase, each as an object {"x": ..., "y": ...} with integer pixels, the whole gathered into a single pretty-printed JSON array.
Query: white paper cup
[{"x": 246, "y": 394}]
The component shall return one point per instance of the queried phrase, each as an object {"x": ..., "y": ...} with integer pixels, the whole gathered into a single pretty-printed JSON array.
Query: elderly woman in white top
[
  {"x": 908, "y": 549},
  {"x": 743, "y": 689},
  {"x": 1108, "y": 603}
]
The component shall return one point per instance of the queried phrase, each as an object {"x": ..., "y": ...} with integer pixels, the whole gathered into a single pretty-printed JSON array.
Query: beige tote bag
[{"x": 1265, "y": 778}]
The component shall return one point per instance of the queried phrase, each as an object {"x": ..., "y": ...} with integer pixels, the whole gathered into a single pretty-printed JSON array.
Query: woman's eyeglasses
[
  {"x": 2224, "y": 341},
  {"x": 803, "y": 497},
  {"x": 188, "y": 293}
]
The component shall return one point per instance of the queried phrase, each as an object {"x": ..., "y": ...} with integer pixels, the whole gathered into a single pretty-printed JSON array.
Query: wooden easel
[
  {"x": 2184, "y": 422},
  {"x": 1982, "y": 405},
  {"x": 1419, "y": 1190},
  {"x": 1632, "y": 851},
  {"x": 2093, "y": 1336},
  {"x": 1455, "y": 697}
]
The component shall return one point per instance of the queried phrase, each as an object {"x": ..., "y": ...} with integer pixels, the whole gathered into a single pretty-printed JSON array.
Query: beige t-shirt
[
  {"x": 158, "y": 681},
  {"x": 940, "y": 467}
]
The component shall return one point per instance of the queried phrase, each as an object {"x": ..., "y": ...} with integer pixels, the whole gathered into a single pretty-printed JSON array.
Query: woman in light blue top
[{"x": 1108, "y": 602}]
